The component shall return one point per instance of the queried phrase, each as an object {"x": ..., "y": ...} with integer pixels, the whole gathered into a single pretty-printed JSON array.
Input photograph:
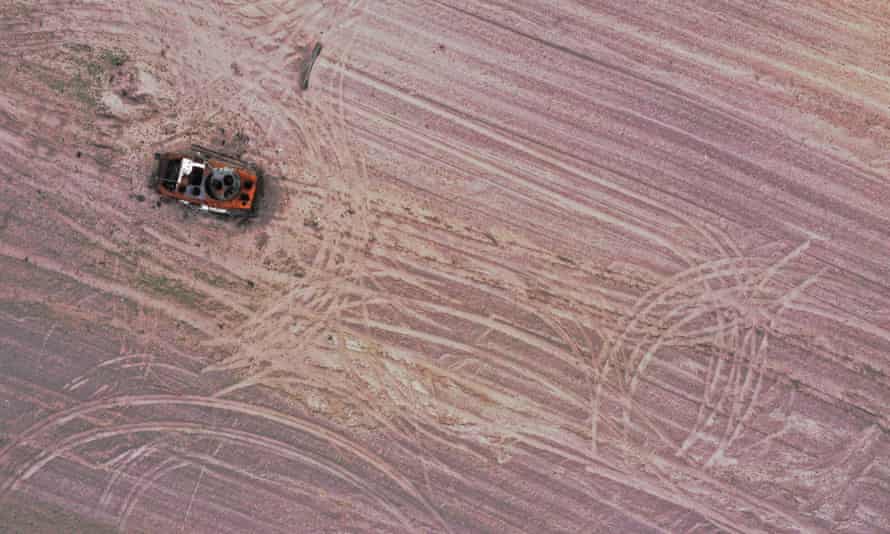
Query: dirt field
[{"x": 579, "y": 266}]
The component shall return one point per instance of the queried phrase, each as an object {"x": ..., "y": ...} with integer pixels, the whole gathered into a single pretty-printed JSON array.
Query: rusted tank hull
[{"x": 211, "y": 182}]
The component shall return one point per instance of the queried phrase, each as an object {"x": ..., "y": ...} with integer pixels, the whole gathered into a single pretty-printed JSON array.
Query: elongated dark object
[
  {"x": 223, "y": 156},
  {"x": 307, "y": 66}
]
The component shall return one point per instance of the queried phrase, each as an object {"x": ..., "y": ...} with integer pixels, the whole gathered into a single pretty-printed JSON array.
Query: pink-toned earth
[{"x": 578, "y": 266}]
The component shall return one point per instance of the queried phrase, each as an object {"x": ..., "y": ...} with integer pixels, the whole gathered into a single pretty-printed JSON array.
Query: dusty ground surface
[{"x": 581, "y": 266}]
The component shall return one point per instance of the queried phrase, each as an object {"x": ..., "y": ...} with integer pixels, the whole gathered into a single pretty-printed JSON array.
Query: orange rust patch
[{"x": 241, "y": 202}]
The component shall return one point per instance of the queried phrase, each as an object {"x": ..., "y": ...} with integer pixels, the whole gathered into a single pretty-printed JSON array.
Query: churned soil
[{"x": 581, "y": 266}]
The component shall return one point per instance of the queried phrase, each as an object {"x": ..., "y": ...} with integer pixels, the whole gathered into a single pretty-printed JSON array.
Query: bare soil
[{"x": 523, "y": 267}]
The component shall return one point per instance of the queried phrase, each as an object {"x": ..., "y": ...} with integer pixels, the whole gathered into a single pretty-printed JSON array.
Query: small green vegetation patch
[
  {"x": 115, "y": 56},
  {"x": 168, "y": 287},
  {"x": 212, "y": 279},
  {"x": 74, "y": 70}
]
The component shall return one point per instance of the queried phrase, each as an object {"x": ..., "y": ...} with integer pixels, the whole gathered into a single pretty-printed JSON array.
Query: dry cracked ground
[{"x": 524, "y": 266}]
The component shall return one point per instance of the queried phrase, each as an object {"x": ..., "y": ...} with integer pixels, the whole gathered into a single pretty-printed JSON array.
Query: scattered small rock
[
  {"x": 140, "y": 198},
  {"x": 262, "y": 240}
]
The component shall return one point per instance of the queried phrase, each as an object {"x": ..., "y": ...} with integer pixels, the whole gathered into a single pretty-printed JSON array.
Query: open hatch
[{"x": 212, "y": 181}]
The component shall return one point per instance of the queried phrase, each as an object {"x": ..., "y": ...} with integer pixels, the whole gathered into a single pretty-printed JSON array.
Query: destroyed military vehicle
[{"x": 209, "y": 180}]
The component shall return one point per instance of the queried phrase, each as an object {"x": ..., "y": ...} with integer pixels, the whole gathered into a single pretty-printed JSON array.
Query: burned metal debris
[
  {"x": 209, "y": 180},
  {"x": 307, "y": 66}
]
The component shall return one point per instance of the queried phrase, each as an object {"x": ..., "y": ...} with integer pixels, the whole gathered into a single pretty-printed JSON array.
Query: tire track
[{"x": 130, "y": 402}]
